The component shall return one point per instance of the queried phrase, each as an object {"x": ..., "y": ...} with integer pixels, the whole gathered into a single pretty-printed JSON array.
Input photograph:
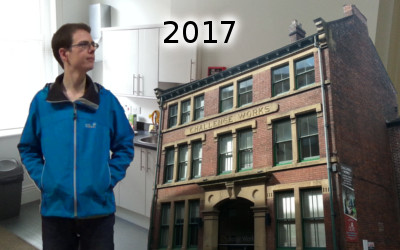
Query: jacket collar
[{"x": 90, "y": 99}]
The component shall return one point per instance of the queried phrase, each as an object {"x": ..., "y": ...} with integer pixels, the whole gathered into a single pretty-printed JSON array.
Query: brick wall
[
  {"x": 362, "y": 100},
  {"x": 394, "y": 135}
]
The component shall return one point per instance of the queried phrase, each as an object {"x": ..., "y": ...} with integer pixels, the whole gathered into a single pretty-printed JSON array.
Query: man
[{"x": 72, "y": 126}]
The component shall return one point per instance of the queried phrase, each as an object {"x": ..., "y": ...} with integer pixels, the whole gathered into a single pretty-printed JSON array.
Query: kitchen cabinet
[
  {"x": 130, "y": 61},
  {"x": 178, "y": 61},
  {"x": 135, "y": 191}
]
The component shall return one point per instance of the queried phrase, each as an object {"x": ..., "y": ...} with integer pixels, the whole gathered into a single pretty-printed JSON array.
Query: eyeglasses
[{"x": 86, "y": 45}]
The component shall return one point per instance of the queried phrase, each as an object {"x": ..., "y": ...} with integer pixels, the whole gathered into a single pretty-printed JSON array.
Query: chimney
[
  {"x": 351, "y": 9},
  {"x": 295, "y": 31}
]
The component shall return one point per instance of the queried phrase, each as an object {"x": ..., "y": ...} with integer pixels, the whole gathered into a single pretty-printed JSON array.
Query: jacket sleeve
[
  {"x": 121, "y": 144},
  {"x": 30, "y": 147}
]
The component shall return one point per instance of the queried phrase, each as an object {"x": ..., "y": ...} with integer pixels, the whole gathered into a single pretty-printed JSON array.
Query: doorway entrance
[{"x": 236, "y": 225}]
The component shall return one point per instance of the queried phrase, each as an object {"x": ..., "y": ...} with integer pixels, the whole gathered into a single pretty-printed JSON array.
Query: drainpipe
[
  {"x": 154, "y": 201},
  {"x": 328, "y": 157}
]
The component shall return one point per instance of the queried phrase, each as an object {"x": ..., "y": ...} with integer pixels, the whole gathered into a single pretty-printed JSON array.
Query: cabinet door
[
  {"x": 148, "y": 61},
  {"x": 133, "y": 187},
  {"x": 120, "y": 60},
  {"x": 150, "y": 178},
  {"x": 177, "y": 60}
]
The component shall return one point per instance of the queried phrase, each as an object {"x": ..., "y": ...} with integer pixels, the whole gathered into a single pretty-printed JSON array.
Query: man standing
[{"x": 72, "y": 126}]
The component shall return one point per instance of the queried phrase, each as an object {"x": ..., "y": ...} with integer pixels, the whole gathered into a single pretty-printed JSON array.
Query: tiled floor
[{"x": 27, "y": 226}]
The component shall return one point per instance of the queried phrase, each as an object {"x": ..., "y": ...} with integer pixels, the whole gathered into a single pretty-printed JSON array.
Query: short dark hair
[{"x": 63, "y": 38}]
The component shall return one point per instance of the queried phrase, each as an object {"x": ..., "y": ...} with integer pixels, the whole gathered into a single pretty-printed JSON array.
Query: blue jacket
[{"x": 65, "y": 146}]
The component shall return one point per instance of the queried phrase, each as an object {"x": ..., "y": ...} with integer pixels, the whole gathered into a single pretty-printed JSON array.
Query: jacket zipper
[{"x": 75, "y": 193}]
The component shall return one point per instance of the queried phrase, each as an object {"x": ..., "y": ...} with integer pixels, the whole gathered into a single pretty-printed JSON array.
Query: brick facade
[{"x": 360, "y": 99}]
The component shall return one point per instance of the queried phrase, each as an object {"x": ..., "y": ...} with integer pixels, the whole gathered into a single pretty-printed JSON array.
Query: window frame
[
  {"x": 169, "y": 166},
  {"x": 182, "y": 162},
  {"x": 196, "y": 161},
  {"x": 301, "y": 138},
  {"x": 198, "y": 112},
  {"x": 312, "y": 219},
  {"x": 172, "y": 117},
  {"x": 244, "y": 150},
  {"x": 164, "y": 224},
  {"x": 194, "y": 223},
  {"x": 228, "y": 99},
  {"x": 248, "y": 94},
  {"x": 305, "y": 72},
  {"x": 225, "y": 155},
  {"x": 178, "y": 224},
  {"x": 281, "y": 81},
  {"x": 276, "y": 142},
  {"x": 185, "y": 113},
  {"x": 285, "y": 220}
]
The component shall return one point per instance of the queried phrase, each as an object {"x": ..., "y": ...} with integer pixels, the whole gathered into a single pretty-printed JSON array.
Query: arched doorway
[{"x": 236, "y": 225}]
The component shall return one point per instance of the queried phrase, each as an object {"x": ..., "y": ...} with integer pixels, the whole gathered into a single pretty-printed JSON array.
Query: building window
[
  {"x": 194, "y": 220},
  {"x": 313, "y": 219},
  {"x": 164, "y": 225},
  {"x": 169, "y": 165},
  {"x": 305, "y": 72},
  {"x": 196, "y": 159},
  {"x": 245, "y": 92},
  {"x": 280, "y": 80},
  {"x": 225, "y": 154},
  {"x": 173, "y": 116},
  {"x": 185, "y": 112},
  {"x": 308, "y": 137},
  {"x": 226, "y": 98},
  {"x": 178, "y": 224},
  {"x": 183, "y": 161},
  {"x": 198, "y": 107},
  {"x": 245, "y": 147},
  {"x": 283, "y": 142},
  {"x": 285, "y": 220}
]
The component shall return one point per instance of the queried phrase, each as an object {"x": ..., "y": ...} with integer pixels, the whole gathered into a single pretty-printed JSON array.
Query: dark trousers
[{"x": 73, "y": 234}]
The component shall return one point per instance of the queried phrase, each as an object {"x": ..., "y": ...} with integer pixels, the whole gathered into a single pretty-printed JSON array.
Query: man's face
[{"x": 80, "y": 57}]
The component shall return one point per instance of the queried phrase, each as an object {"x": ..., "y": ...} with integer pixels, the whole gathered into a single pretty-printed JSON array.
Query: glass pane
[
  {"x": 283, "y": 131},
  {"x": 226, "y": 144},
  {"x": 170, "y": 156},
  {"x": 199, "y": 101},
  {"x": 165, "y": 214},
  {"x": 186, "y": 106},
  {"x": 284, "y": 152},
  {"x": 183, "y": 156},
  {"x": 280, "y": 73},
  {"x": 305, "y": 65},
  {"x": 226, "y": 104},
  {"x": 286, "y": 235},
  {"x": 314, "y": 234},
  {"x": 199, "y": 107},
  {"x": 285, "y": 205},
  {"x": 227, "y": 92}
]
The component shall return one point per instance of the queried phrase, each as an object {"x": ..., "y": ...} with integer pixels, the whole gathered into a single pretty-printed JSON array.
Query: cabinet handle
[
  {"x": 148, "y": 166},
  {"x": 141, "y": 84},
  {"x": 135, "y": 92},
  {"x": 142, "y": 165}
]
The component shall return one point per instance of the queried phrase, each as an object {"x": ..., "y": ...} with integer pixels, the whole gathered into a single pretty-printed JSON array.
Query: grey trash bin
[{"x": 11, "y": 176}]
